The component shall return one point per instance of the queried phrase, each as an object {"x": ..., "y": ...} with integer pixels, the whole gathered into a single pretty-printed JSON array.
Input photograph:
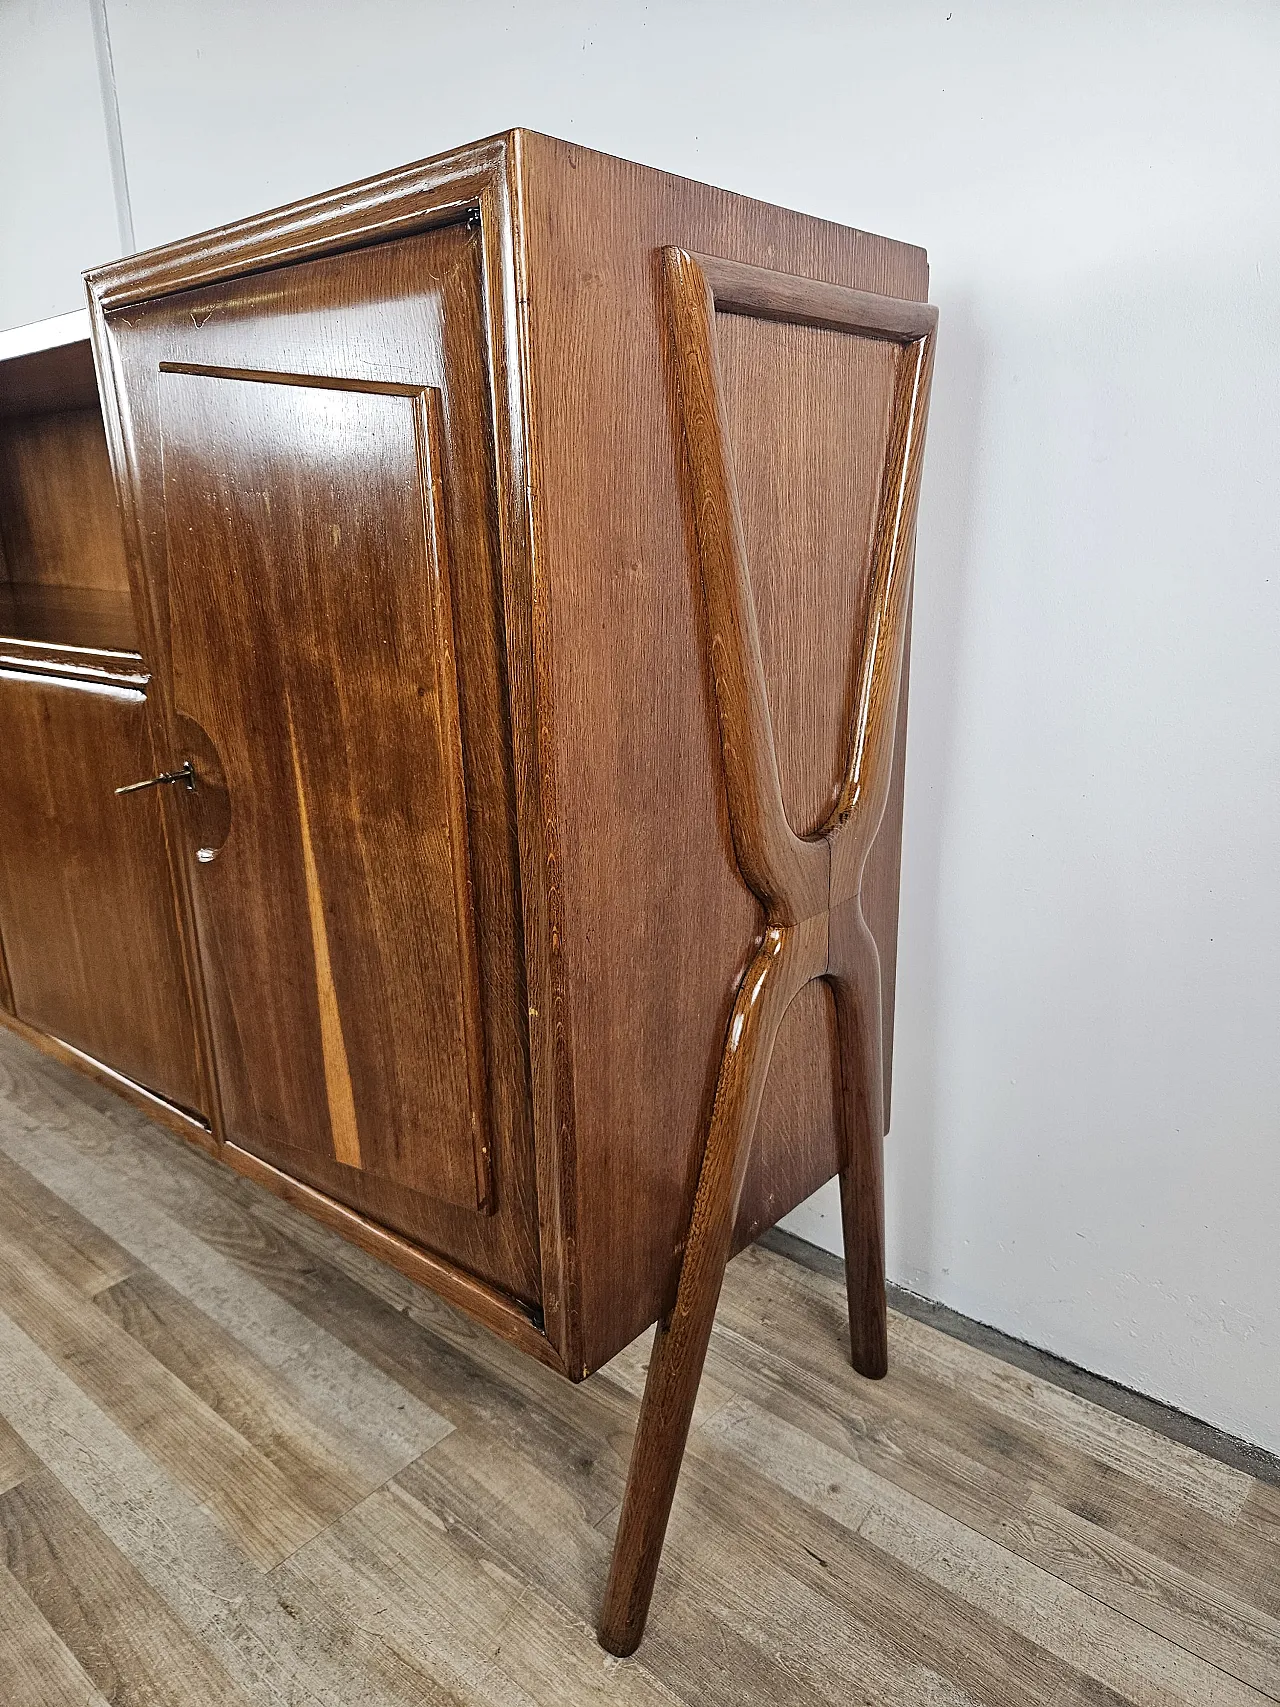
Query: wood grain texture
[
  {"x": 315, "y": 1460},
  {"x": 323, "y": 680},
  {"x": 633, "y": 739},
  {"x": 791, "y": 956},
  {"x": 205, "y": 1299},
  {"x": 249, "y": 1496},
  {"x": 193, "y": 1127},
  {"x": 481, "y": 187},
  {"x": 89, "y": 923},
  {"x": 343, "y": 1121},
  {"x": 58, "y": 517},
  {"x": 602, "y": 1084},
  {"x": 64, "y": 577},
  {"x": 807, "y": 501},
  {"x": 495, "y": 1309},
  {"x": 6, "y": 989},
  {"x": 39, "y": 1670},
  {"x": 798, "y": 880},
  {"x": 91, "y": 954},
  {"x": 76, "y": 1250},
  {"x": 499, "y": 897},
  {"x": 46, "y": 624},
  {"x": 920, "y": 1539},
  {"x": 385, "y": 325},
  {"x": 86, "y": 1592}
]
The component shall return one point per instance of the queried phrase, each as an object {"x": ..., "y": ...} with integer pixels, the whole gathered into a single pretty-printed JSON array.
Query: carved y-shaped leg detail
[
  {"x": 855, "y": 979},
  {"x": 788, "y": 958},
  {"x": 797, "y": 880}
]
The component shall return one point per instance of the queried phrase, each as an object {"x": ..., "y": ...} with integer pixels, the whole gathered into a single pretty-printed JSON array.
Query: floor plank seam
[
  {"x": 1100, "y": 1390},
  {"x": 968, "y": 1533}
]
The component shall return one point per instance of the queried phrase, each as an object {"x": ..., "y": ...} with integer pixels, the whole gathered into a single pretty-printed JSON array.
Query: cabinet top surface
[
  {"x": 41, "y": 335},
  {"x": 399, "y": 200}
]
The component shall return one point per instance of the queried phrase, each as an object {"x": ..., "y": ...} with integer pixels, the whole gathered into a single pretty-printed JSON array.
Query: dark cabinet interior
[{"x": 64, "y": 578}]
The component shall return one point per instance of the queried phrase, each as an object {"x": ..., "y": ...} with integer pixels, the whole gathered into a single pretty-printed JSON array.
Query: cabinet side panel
[
  {"x": 809, "y": 414},
  {"x": 657, "y": 925}
]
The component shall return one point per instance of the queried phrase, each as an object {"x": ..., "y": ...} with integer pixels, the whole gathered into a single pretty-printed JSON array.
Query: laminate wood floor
[{"x": 241, "y": 1463}]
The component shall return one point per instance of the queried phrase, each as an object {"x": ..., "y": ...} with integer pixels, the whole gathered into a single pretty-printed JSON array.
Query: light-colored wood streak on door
[{"x": 337, "y": 1070}]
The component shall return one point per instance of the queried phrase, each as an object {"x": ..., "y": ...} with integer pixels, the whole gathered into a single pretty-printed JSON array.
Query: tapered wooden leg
[
  {"x": 855, "y": 976},
  {"x": 788, "y": 958}
]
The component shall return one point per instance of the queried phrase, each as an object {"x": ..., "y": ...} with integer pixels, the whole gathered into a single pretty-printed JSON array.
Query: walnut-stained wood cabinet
[
  {"x": 90, "y": 953},
  {"x": 522, "y": 547}
]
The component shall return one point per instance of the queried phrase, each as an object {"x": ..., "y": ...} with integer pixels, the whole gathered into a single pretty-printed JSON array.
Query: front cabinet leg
[{"x": 789, "y": 956}]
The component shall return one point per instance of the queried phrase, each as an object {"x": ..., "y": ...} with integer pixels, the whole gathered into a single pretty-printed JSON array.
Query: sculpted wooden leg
[
  {"x": 788, "y": 958},
  {"x": 855, "y": 976},
  {"x": 797, "y": 880}
]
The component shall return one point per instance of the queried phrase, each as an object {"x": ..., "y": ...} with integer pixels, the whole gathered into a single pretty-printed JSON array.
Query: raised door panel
[
  {"x": 87, "y": 914},
  {"x": 312, "y": 643},
  {"x": 312, "y": 455}
]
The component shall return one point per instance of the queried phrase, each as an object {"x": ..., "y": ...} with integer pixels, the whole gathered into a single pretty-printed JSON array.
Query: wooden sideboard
[{"x": 520, "y": 547}]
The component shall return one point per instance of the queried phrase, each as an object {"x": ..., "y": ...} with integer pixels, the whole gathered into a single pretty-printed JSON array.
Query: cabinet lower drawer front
[{"x": 87, "y": 915}]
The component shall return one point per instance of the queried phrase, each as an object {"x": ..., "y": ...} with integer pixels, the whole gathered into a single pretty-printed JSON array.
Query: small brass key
[{"x": 185, "y": 777}]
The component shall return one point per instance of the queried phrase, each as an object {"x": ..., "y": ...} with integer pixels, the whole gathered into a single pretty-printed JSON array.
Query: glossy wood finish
[
  {"x": 616, "y": 1111},
  {"x": 635, "y": 769},
  {"x": 86, "y": 913},
  {"x": 650, "y": 921},
  {"x": 961, "y": 1533},
  {"x": 799, "y": 881},
  {"x": 52, "y": 626},
  {"x": 87, "y": 917},
  {"x": 789, "y": 957},
  {"x": 326, "y": 687},
  {"x": 390, "y": 336},
  {"x": 60, "y": 526}
]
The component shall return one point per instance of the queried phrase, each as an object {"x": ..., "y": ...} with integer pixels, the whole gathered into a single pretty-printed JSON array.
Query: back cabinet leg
[{"x": 856, "y": 985}]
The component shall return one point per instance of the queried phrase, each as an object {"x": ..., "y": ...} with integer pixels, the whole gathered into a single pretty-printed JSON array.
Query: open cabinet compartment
[{"x": 64, "y": 579}]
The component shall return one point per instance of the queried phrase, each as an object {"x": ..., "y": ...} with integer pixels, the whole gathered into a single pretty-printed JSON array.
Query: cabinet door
[
  {"x": 314, "y": 499},
  {"x": 87, "y": 913}
]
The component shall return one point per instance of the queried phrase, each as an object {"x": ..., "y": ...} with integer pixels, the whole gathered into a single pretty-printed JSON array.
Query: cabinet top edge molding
[
  {"x": 40, "y": 335},
  {"x": 387, "y": 204}
]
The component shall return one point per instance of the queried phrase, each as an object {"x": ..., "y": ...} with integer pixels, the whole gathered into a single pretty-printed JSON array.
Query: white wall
[
  {"x": 1086, "y": 1145},
  {"x": 57, "y": 215}
]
